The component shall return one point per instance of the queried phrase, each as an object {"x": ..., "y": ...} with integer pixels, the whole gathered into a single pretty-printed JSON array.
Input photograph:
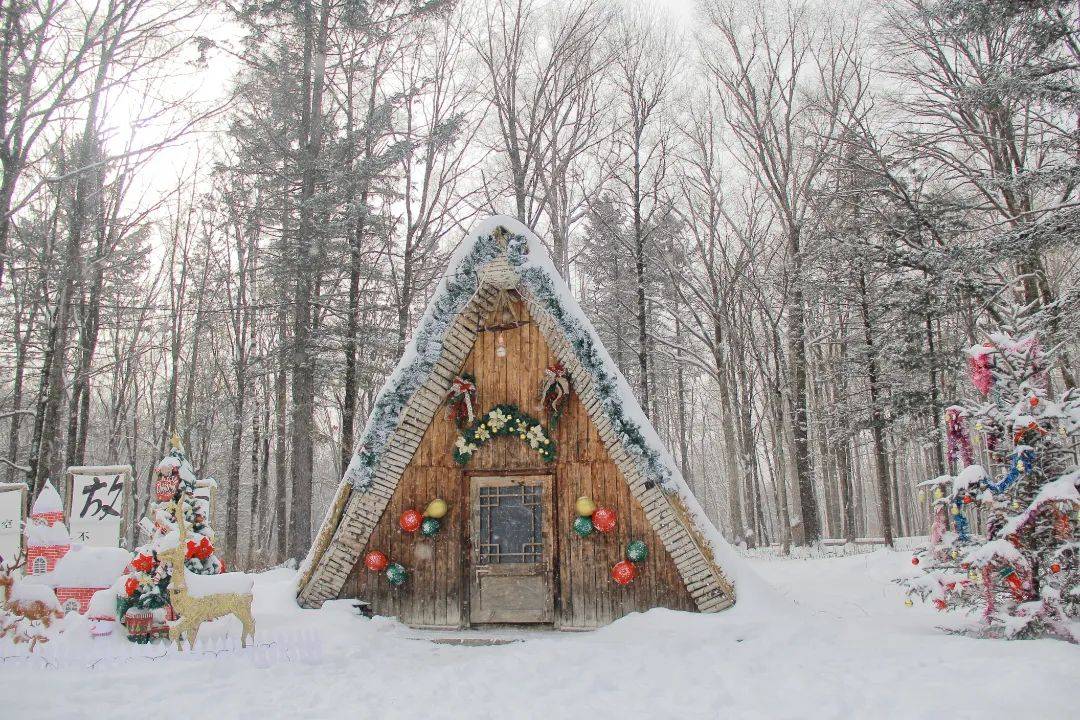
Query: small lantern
[{"x": 500, "y": 346}]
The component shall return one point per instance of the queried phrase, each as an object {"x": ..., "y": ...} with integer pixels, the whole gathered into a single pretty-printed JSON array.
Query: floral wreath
[{"x": 503, "y": 420}]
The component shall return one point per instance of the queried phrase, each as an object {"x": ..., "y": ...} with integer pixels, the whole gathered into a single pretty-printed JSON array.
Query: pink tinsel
[
  {"x": 956, "y": 434},
  {"x": 937, "y": 530},
  {"x": 980, "y": 364}
]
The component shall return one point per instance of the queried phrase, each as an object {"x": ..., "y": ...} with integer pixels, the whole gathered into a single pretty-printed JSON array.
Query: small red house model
[{"x": 74, "y": 572}]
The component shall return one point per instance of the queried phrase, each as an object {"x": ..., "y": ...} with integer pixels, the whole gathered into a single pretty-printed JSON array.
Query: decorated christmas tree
[
  {"x": 1012, "y": 553},
  {"x": 143, "y": 598}
]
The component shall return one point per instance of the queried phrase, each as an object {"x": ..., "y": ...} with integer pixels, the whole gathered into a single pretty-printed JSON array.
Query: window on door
[
  {"x": 40, "y": 566},
  {"x": 511, "y": 524}
]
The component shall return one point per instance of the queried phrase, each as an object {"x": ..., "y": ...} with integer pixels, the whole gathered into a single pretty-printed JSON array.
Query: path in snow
[{"x": 830, "y": 638}]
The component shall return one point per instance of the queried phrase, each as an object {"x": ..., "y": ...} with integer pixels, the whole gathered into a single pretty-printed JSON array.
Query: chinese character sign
[
  {"x": 97, "y": 508},
  {"x": 12, "y": 506}
]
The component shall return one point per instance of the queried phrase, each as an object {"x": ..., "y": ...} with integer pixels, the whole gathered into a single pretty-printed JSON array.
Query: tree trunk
[
  {"x": 877, "y": 420},
  {"x": 303, "y": 358},
  {"x": 281, "y": 450},
  {"x": 811, "y": 528}
]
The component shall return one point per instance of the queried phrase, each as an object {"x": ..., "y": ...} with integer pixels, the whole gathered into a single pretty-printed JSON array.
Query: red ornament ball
[
  {"x": 914, "y": 561},
  {"x": 967, "y": 499},
  {"x": 624, "y": 572},
  {"x": 411, "y": 520},
  {"x": 940, "y": 604},
  {"x": 1055, "y": 568},
  {"x": 376, "y": 561},
  {"x": 1034, "y": 402},
  {"x": 604, "y": 519},
  {"x": 130, "y": 586}
]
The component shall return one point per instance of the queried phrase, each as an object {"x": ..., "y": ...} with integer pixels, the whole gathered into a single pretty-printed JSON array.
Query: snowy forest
[{"x": 788, "y": 222}]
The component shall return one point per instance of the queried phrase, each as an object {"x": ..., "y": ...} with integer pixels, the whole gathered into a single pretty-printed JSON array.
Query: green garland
[
  {"x": 503, "y": 420},
  {"x": 591, "y": 357}
]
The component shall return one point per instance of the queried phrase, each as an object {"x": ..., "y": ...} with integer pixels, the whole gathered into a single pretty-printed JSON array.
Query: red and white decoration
[{"x": 73, "y": 572}]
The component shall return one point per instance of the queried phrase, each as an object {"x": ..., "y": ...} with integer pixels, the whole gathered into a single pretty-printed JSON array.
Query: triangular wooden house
[{"x": 506, "y": 550}]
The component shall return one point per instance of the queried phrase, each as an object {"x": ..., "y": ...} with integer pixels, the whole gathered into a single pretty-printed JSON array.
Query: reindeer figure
[
  {"x": 25, "y": 620},
  {"x": 194, "y": 611},
  {"x": 7, "y": 575}
]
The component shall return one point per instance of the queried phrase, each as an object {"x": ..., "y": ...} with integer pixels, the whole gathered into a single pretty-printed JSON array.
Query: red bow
[{"x": 202, "y": 550}]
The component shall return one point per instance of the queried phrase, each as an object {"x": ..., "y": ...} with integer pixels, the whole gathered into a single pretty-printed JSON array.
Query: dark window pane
[{"x": 511, "y": 524}]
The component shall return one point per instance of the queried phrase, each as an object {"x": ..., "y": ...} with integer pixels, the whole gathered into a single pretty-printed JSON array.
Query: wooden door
[{"x": 512, "y": 559}]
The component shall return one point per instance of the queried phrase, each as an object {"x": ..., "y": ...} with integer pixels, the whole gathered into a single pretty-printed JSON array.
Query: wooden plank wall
[{"x": 436, "y": 593}]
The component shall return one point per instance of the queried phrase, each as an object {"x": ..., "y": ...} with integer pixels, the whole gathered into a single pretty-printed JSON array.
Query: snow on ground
[{"x": 811, "y": 638}]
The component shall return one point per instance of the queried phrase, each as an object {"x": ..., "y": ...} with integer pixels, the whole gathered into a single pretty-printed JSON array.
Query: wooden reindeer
[
  {"x": 7, "y": 575},
  {"x": 24, "y": 620},
  {"x": 194, "y": 611}
]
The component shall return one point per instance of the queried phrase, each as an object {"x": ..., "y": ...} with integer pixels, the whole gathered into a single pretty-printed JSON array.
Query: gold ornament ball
[
  {"x": 938, "y": 493},
  {"x": 585, "y": 506},
  {"x": 922, "y": 495},
  {"x": 908, "y": 602},
  {"x": 436, "y": 509}
]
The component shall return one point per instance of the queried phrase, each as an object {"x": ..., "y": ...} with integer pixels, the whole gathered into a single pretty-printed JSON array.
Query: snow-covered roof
[
  {"x": 86, "y": 567},
  {"x": 39, "y": 534},
  {"x": 522, "y": 255},
  {"x": 47, "y": 501},
  {"x": 532, "y": 264}
]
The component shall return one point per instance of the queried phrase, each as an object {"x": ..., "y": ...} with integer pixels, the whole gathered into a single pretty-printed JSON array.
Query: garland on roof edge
[
  {"x": 591, "y": 359},
  {"x": 460, "y": 287},
  {"x": 386, "y": 413}
]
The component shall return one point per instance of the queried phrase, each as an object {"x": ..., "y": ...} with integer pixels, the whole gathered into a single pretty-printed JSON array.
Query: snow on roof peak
[
  {"x": 86, "y": 567},
  {"x": 47, "y": 501},
  {"x": 39, "y": 534}
]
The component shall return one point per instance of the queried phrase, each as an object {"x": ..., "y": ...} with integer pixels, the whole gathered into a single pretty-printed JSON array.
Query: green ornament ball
[
  {"x": 636, "y": 551},
  {"x": 396, "y": 574},
  {"x": 583, "y": 526},
  {"x": 430, "y": 527}
]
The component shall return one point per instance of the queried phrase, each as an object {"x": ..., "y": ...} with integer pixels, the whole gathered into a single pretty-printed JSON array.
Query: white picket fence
[
  {"x": 268, "y": 649},
  {"x": 839, "y": 547}
]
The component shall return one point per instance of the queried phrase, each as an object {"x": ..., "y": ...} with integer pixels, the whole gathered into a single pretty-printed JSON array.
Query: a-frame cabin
[{"x": 506, "y": 551}]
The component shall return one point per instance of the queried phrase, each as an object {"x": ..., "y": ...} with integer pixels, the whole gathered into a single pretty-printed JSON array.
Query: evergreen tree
[
  {"x": 1023, "y": 573},
  {"x": 146, "y": 586}
]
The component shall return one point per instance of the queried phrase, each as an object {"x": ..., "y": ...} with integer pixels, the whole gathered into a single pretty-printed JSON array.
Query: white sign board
[
  {"x": 206, "y": 495},
  {"x": 12, "y": 509},
  {"x": 96, "y": 504}
]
